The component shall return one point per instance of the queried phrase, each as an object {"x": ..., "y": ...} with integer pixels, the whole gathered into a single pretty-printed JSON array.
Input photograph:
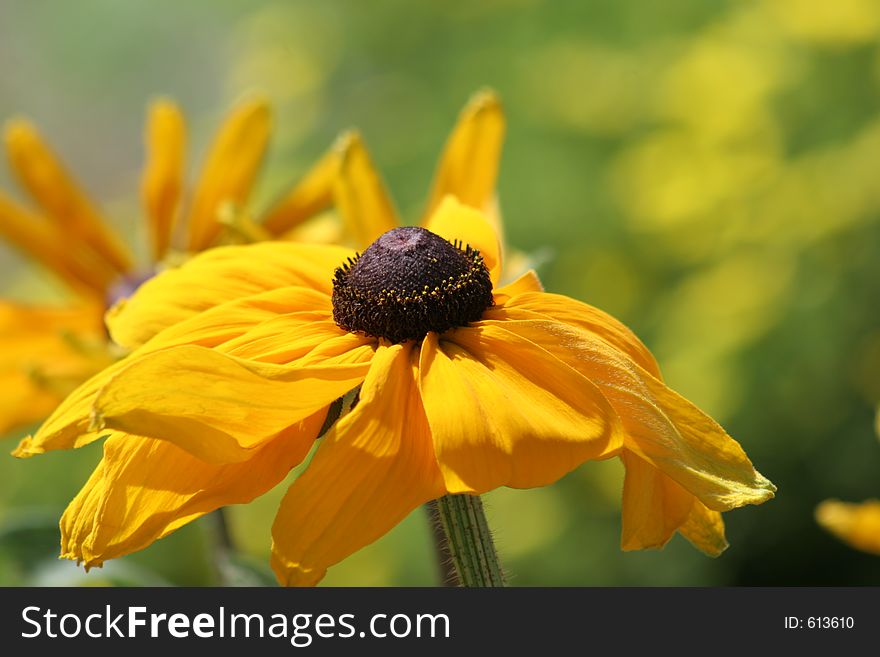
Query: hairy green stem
[
  {"x": 445, "y": 568},
  {"x": 470, "y": 541}
]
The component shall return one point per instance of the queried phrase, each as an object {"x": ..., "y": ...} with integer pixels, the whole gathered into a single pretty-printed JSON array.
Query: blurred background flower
[{"x": 706, "y": 171}]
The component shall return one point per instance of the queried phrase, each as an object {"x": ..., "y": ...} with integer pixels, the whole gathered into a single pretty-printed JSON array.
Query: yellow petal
[
  {"x": 229, "y": 170},
  {"x": 704, "y": 528},
  {"x": 527, "y": 282},
  {"x": 24, "y": 400},
  {"x": 217, "y": 276},
  {"x": 44, "y": 354},
  {"x": 468, "y": 168},
  {"x": 311, "y": 195},
  {"x": 162, "y": 182},
  {"x": 68, "y": 426},
  {"x": 374, "y": 467},
  {"x": 661, "y": 426},
  {"x": 654, "y": 506},
  {"x": 504, "y": 412},
  {"x": 215, "y": 406},
  {"x": 536, "y": 305},
  {"x": 224, "y": 325},
  {"x": 60, "y": 198},
  {"x": 360, "y": 195},
  {"x": 453, "y": 221},
  {"x": 857, "y": 525},
  {"x": 145, "y": 489},
  {"x": 46, "y": 243}
]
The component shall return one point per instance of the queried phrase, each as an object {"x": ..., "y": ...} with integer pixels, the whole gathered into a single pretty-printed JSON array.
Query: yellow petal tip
[
  {"x": 484, "y": 99},
  {"x": 17, "y": 129},
  {"x": 26, "y": 449}
]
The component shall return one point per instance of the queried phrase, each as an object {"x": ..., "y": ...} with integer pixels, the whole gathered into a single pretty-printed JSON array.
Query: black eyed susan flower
[
  {"x": 45, "y": 352},
  {"x": 464, "y": 386}
]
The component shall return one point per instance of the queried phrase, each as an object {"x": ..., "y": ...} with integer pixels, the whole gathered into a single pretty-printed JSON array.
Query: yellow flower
[
  {"x": 46, "y": 352},
  {"x": 857, "y": 525},
  {"x": 464, "y": 387}
]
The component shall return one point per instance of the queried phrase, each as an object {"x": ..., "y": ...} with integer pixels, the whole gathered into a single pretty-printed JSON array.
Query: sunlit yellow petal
[
  {"x": 361, "y": 197},
  {"x": 660, "y": 426},
  {"x": 218, "y": 407},
  {"x": 654, "y": 506},
  {"x": 217, "y": 276},
  {"x": 527, "y": 282},
  {"x": 504, "y": 412},
  {"x": 229, "y": 170},
  {"x": 468, "y": 168},
  {"x": 144, "y": 489},
  {"x": 162, "y": 182},
  {"x": 68, "y": 426},
  {"x": 534, "y": 305},
  {"x": 455, "y": 221},
  {"x": 46, "y": 243},
  {"x": 224, "y": 325},
  {"x": 311, "y": 195},
  {"x": 858, "y": 525},
  {"x": 374, "y": 467},
  {"x": 704, "y": 528},
  {"x": 60, "y": 198}
]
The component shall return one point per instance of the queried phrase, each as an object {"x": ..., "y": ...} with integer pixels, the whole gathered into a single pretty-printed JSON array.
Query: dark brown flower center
[{"x": 409, "y": 282}]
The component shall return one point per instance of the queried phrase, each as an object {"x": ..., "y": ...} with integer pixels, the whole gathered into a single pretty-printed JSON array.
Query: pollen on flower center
[{"x": 409, "y": 282}]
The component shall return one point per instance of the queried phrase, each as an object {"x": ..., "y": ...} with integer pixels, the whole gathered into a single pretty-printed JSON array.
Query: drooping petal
[
  {"x": 360, "y": 195},
  {"x": 144, "y": 489},
  {"x": 68, "y": 427},
  {"x": 44, "y": 242},
  {"x": 468, "y": 168},
  {"x": 217, "y": 276},
  {"x": 215, "y": 406},
  {"x": 374, "y": 467},
  {"x": 858, "y": 525},
  {"x": 704, "y": 528},
  {"x": 229, "y": 170},
  {"x": 162, "y": 181},
  {"x": 654, "y": 506},
  {"x": 454, "y": 221},
  {"x": 661, "y": 426},
  {"x": 527, "y": 282},
  {"x": 504, "y": 412},
  {"x": 537, "y": 304},
  {"x": 61, "y": 199}
]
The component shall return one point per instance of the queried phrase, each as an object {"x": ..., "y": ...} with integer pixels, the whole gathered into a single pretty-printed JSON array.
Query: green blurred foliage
[{"x": 709, "y": 172}]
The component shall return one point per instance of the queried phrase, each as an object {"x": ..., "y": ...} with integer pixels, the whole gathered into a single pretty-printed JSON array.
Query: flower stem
[
  {"x": 224, "y": 547},
  {"x": 445, "y": 567},
  {"x": 470, "y": 541},
  {"x": 223, "y": 532}
]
